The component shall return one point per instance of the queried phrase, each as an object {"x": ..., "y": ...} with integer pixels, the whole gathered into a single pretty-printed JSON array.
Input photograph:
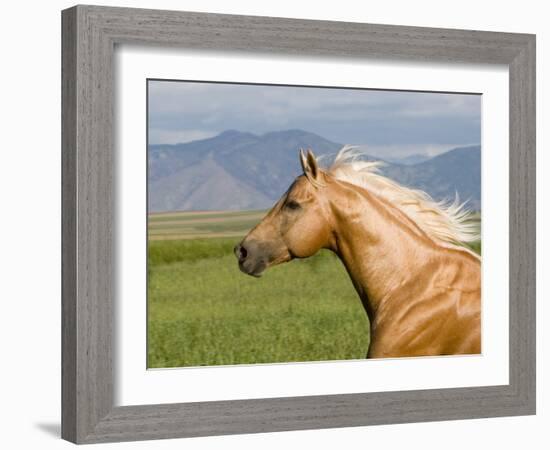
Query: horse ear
[
  {"x": 303, "y": 160},
  {"x": 312, "y": 163},
  {"x": 309, "y": 166}
]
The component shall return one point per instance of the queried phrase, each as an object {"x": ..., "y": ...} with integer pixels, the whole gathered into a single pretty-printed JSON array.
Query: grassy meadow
[{"x": 203, "y": 311}]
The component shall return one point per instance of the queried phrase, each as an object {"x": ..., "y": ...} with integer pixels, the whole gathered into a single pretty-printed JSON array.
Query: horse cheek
[{"x": 305, "y": 241}]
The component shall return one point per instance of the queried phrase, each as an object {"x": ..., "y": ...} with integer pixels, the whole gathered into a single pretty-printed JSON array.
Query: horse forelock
[{"x": 443, "y": 221}]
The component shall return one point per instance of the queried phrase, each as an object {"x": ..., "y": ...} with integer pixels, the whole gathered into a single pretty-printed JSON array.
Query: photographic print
[{"x": 297, "y": 223}]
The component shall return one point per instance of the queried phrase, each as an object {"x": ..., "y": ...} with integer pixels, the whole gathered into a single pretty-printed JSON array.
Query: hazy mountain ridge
[
  {"x": 237, "y": 170},
  {"x": 458, "y": 170},
  {"x": 409, "y": 160}
]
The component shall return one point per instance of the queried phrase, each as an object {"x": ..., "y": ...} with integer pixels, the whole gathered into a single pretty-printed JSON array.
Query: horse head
[{"x": 297, "y": 226}]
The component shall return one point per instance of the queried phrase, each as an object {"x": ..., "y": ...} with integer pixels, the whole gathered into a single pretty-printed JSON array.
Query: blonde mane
[{"x": 444, "y": 222}]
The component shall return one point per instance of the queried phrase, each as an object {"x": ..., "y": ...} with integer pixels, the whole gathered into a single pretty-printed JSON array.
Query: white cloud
[
  {"x": 207, "y": 99},
  {"x": 340, "y": 115}
]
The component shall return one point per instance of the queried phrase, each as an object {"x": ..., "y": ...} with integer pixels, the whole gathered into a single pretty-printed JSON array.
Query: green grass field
[{"x": 203, "y": 311}]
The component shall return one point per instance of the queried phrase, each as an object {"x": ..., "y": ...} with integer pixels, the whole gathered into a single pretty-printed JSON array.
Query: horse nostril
[{"x": 242, "y": 253}]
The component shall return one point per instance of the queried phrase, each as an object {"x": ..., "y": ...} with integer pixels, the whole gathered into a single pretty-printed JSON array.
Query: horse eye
[{"x": 292, "y": 205}]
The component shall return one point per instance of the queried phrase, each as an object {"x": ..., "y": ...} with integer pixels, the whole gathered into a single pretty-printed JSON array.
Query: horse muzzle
[{"x": 251, "y": 260}]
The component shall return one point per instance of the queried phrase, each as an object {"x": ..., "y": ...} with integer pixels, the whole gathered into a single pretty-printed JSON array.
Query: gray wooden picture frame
[{"x": 90, "y": 34}]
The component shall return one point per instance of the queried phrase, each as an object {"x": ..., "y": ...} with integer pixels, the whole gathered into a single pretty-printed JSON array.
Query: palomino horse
[{"x": 420, "y": 289}]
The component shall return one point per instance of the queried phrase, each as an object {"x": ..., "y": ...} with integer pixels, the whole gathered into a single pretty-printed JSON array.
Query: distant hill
[
  {"x": 237, "y": 170},
  {"x": 456, "y": 170},
  {"x": 233, "y": 170}
]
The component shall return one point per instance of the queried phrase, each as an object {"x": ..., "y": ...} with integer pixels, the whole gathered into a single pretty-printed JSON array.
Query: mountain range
[{"x": 238, "y": 170}]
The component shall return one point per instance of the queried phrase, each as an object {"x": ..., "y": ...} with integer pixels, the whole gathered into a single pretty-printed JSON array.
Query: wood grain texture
[
  {"x": 89, "y": 36},
  {"x": 523, "y": 224},
  {"x": 68, "y": 225}
]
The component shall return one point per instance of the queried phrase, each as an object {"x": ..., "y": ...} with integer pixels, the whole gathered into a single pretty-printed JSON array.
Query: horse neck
[{"x": 379, "y": 245}]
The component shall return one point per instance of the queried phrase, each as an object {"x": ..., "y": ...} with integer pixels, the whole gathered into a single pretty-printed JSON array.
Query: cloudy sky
[{"x": 390, "y": 123}]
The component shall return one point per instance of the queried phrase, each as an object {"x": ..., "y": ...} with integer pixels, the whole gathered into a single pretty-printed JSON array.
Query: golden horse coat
[{"x": 420, "y": 289}]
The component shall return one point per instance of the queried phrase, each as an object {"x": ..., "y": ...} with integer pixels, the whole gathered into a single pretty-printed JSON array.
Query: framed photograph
[{"x": 278, "y": 224}]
